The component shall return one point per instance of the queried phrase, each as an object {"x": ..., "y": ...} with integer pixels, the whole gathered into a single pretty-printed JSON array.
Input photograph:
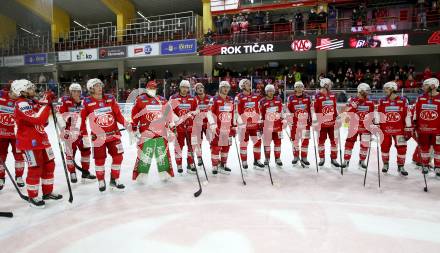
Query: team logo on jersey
[
  {"x": 428, "y": 115},
  {"x": 10, "y": 103},
  {"x": 40, "y": 129},
  {"x": 105, "y": 120},
  {"x": 328, "y": 110},
  {"x": 7, "y": 119},
  {"x": 225, "y": 117},
  {"x": 392, "y": 117},
  {"x": 152, "y": 116}
]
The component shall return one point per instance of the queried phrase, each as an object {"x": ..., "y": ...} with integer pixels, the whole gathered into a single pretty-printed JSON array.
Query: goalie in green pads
[{"x": 152, "y": 117}]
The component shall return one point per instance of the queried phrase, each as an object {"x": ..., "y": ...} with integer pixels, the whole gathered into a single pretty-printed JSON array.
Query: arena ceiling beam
[
  {"x": 124, "y": 11},
  {"x": 8, "y": 29},
  {"x": 58, "y": 18}
]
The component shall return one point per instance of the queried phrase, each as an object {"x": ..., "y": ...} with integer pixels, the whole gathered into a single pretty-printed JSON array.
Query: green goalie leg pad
[
  {"x": 146, "y": 156},
  {"x": 163, "y": 157}
]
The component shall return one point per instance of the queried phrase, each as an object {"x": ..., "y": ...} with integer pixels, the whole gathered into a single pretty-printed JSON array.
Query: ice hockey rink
[{"x": 304, "y": 211}]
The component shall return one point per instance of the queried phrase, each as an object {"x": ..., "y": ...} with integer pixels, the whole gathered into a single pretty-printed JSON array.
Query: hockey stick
[
  {"x": 188, "y": 143},
  {"x": 62, "y": 153},
  {"x": 24, "y": 197},
  {"x": 239, "y": 160},
  {"x": 426, "y": 184},
  {"x": 378, "y": 163},
  {"x": 270, "y": 174},
  {"x": 6, "y": 214},
  {"x": 368, "y": 160},
  {"x": 203, "y": 166},
  {"x": 340, "y": 151},
  {"x": 314, "y": 147}
]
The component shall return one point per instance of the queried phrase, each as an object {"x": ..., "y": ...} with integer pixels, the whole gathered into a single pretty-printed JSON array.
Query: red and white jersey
[
  {"x": 7, "y": 122},
  {"x": 248, "y": 109},
  {"x": 203, "y": 106},
  {"x": 235, "y": 27},
  {"x": 361, "y": 107},
  {"x": 69, "y": 109},
  {"x": 151, "y": 115},
  {"x": 395, "y": 112},
  {"x": 31, "y": 119},
  {"x": 182, "y": 105},
  {"x": 427, "y": 114},
  {"x": 222, "y": 110},
  {"x": 244, "y": 25},
  {"x": 326, "y": 107},
  {"x": 271, "y": 112},
  {"x": 300, "y": 109},
  {"x": 103, "y": 115}
]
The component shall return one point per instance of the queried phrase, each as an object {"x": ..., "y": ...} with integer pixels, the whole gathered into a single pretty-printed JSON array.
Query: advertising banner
[
  {"x": 12, "y": 61},
  {"x": 85, "y": 55},
  {"x": 35, "y": 59},
  {"x": 64, "y": 56},
  {"x": 112, "y": 52},
  {"x": 178, "y": 47},
  {"x": 140, "y": 50}
]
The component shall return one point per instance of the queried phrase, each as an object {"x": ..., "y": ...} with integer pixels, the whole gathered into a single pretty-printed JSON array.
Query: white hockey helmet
[
  {"x": 298, "y": 84},
  {"x": 224, "y": 84},
  {"x": 269, "y": 87},
  {"x": 431, "y": 82},
  {"x": 184, "y": 83},
  {"x": 391, "y": 85},
  {"x": 363, "y": 87},
  {"x": 92, "y": 82},
  {"x": 197, "y": 85},
  {"x": 75, "y": 86},
  {"x": 21, "y": 85},
  {"x": 242, "y": 83},
  {"x": 325, "y": 82}
]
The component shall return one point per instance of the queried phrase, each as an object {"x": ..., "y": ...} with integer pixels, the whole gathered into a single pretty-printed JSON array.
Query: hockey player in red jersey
[
  {"x": 271, "y": 109},
  {"x": 221, "y": 123},
  {"x": 31, "y": 117},
  {"x": 69, "y": 122},
  {"x": 427, "y": 124},
  {"x": 326, "y": 112},
  {"x": 152, "y": 118},
  {"x": 395, "y": 125},
  {"x": 300, "y": 119},
  {"x": 103, "y": 114},
  {"x": 7, "y": 137},
  {"x": 184, "y": 106},
  {"x": 361, "y": 106},
  {"x": 201, "y": 120},
  {"x": 249, "y": 122}
]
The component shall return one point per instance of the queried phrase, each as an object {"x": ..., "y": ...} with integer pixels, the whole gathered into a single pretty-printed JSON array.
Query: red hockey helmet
[{"x": 151, "y": 85}]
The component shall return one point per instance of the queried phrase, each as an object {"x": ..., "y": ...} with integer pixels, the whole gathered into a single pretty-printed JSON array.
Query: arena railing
[{"x": 288, "y": 31}]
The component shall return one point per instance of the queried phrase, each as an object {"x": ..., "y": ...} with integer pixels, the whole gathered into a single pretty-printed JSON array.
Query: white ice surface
[{"x": 304, "y": 212}]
